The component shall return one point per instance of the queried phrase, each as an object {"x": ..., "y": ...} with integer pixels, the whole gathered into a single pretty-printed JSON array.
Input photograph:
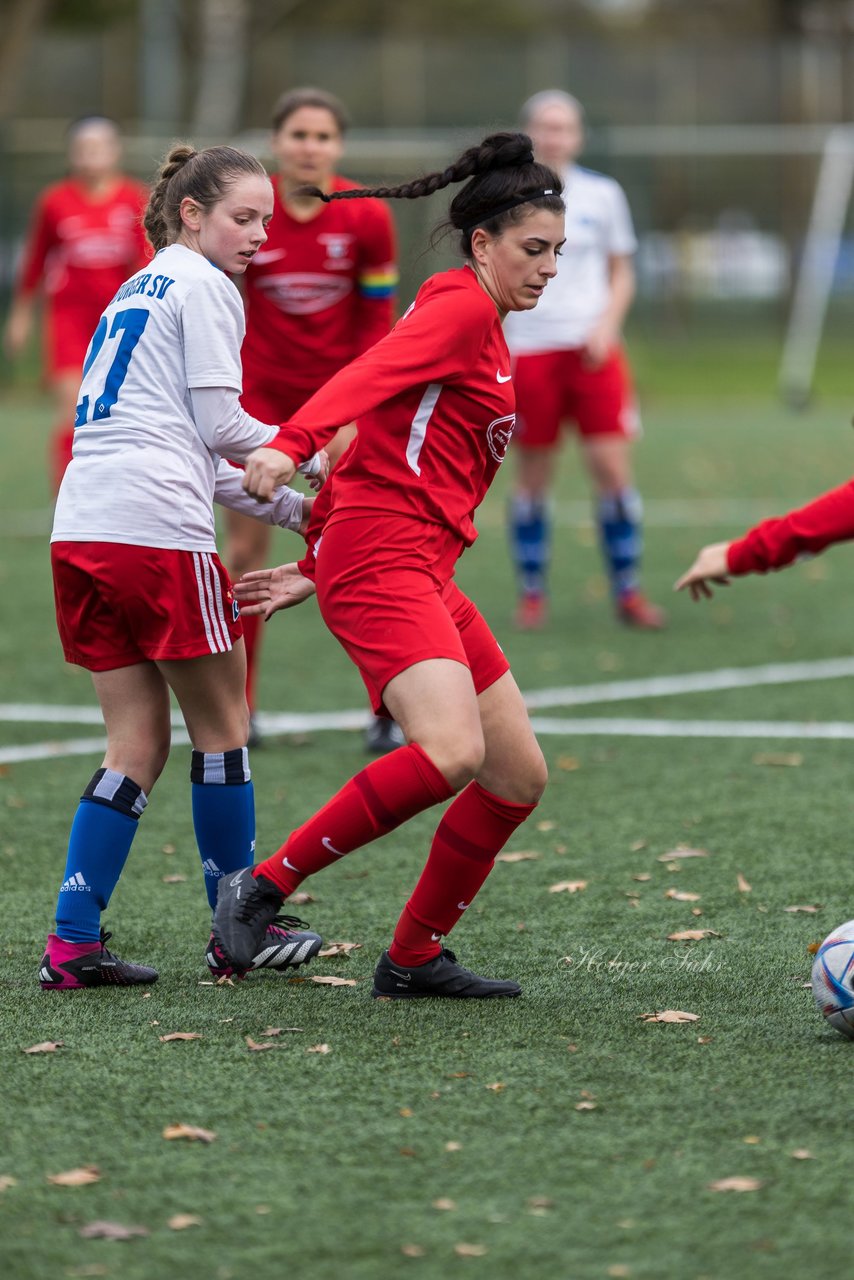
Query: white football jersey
[
  {"x": 141, "y": 472},
  {"x": 598, "y": 225}
]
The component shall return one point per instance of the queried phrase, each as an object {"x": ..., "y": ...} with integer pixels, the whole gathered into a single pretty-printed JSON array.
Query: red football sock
[
  {"x": 475, "y": 828},
  {"x": 252, "y": 643},
  {"x": 385, "y": 794}
]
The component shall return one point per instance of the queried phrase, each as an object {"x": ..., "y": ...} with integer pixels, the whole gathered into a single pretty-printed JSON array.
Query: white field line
[
  {"x": 624, "y": 728},
  {"x": 578, "y": 695},
  {"x": 659, "y": 513}
]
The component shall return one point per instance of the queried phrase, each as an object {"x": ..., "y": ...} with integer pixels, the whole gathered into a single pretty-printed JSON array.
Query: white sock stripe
[
  {"x": 247, "y": 772},
  {"x": 108, "y": 785},
  {"x": 203, "y": 608}
]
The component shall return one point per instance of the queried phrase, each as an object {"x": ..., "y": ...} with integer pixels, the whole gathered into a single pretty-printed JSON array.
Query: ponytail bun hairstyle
[
  {"x": 504, "y": 183},
  {"x": 203, "y": 176}
]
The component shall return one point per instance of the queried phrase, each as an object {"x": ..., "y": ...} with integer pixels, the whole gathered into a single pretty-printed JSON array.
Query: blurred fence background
[{"x": 714, "y": 116}]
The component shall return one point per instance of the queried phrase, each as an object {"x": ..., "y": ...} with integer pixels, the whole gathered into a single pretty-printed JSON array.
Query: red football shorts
[
  {"x": 117, "y": 605},
  {"x": 382, "y": 598},
  {"x": 558, "y": 387},
  {"x": 68, "y": 331}
]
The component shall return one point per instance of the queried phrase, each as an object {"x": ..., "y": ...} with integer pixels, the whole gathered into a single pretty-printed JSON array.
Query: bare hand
[
  {"x": 18, "y": 329},
  {"x": 265, "y": 470},
  {"x": 710, "y": 566},
  {"x": 599, "y": 345},
  {"x": 266, "y": 591},
  {"x": 316, "y": 470}
]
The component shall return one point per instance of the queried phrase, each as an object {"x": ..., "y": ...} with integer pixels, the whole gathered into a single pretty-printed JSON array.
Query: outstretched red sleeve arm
[
  {"x": 434, "y": 342},
  {"x": 775, "y": 543}
]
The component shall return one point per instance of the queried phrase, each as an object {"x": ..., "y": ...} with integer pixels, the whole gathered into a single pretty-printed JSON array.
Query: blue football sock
[
  {"x": 223, "y": 813},
  {"x": 619, "y": 517},
  {"x": 101, "y": 836},
  {"x": 530, "y": 542}
]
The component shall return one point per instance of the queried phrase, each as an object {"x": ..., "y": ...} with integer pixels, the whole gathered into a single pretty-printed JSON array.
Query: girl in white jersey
[
  {"x": 569, "y": 365},
  {"x": 142, "y": 600}
]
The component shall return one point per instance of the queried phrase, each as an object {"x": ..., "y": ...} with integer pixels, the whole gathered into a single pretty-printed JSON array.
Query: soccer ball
[{"x": 833, "y": 978}]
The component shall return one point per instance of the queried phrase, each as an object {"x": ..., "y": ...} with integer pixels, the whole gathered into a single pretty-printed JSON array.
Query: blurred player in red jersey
[
  {"x": 318, "y": 294},
  {"x": 569, "y": 364},
  {"x": 86, "y": 238},
  {"x": 434, "y": 402},
  {"x": 775, "y": 543}
]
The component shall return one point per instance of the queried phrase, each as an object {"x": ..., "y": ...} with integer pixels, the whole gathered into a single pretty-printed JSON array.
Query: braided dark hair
[
  {"x": 501, "y": 170},
  {"x": 204, "y": 176}
]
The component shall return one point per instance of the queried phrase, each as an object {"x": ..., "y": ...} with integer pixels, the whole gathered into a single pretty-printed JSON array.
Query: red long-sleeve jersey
[
  {"x": 435, "y": 410},
  {"x": 80, "y": 250},
  {"x": 318, "y": 293},
  {"x": 777, "y": 542}
]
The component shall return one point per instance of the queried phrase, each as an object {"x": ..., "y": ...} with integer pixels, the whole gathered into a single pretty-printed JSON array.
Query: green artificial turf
[{"x": 332, "y": 1164}]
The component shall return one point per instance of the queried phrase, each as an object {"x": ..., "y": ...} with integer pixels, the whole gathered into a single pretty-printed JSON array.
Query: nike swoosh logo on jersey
[
  {"x": 501, "y": 377},
  {"x": 269, "y": 255},
  {"x": 327, "y": 844}
]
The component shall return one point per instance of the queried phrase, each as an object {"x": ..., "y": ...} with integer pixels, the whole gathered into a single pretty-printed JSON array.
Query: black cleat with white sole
[
  {"x": 439, "y": 977},
  {"x": 286, "y": 946},
  {"x": 246, "y": 906}
]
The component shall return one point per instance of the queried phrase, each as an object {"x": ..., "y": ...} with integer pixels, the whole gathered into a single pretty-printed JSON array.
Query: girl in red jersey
[
  {"x": 319, "y": 293},
  {"x": 774, "y": 543},
  {"x": 434, "y": 405},
  {"x": 85, "y": 240},
  {"x": 142, "y": 601}
]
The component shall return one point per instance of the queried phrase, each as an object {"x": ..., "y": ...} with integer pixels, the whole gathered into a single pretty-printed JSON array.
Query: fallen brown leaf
[
  {"x": 301, "y": 899},
  {"x": 692, "y": 935},
  {"x": 168, "y": 848},
  {"x": 76, "y": 1177},
  {"x": 318, "y": 1048},
  {"x": 449, "y": 1146},
  {"x": 568, "y": 886},
  {"x": 540, "y": 1204},
  {"x": 695, "y": 911},
  {"x": 524, "y": 855},
  {"x": 704, "y": 1039},
  {"x": 752, "y": 1140},
  {"x": 406, "y": 1112},
  {"x": 224, "y": 982},
  {"x": 637, "y": 845},
  {"x": 743, "y": 886},
  {"x": 180, "y": 1035},
  {"x": 46, "y": 1046},
  {"x": 619, "y": 1271},
  {"x": 275, "y": 1031},
  {"x": 444, "y": 1204},
  {"x": 735, "y": 1184},
  {"x": 779, "y": 759},
  {"x": 339, "y": 949},
  {"x": 682, "y": 851},
  {"x": 678, "y": 896},
  {"x": 176, "y": 879},
  {"x": 545, "y": 824},
  {"x": 497, "y": 1087},
  {"x": 642, "y": 876},
  {"x": 329, "y": 981},
  {"x": 470, "y": 1250},
  {"x": 802, "y": 1153},
  {"x": 586, "y": 1106},
  {"x": 103, "y": 1230},
  {"x": 189, "y": 1131},
  {"x": 412, "y": 1250},
  {"x": 407, "y": 1151},
  {"x": 811, "y": 910},
  {"x": 813, "y": 947},
  {"x": 568, "y": 763},
  {"x": 670, "y": 1015},
  {"x": 181, "y": 1221},
  {"x": 255, "y": 1047},
  {"x": 6, "y": 1181}
]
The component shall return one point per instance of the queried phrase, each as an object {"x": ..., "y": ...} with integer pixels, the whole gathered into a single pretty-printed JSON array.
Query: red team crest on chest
[{"x": 499, "y": 434}]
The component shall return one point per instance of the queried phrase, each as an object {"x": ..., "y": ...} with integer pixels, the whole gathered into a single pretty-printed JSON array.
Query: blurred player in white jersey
[
  {"x": 569, "y": 366},
  {"x": 142, "y": 600}
]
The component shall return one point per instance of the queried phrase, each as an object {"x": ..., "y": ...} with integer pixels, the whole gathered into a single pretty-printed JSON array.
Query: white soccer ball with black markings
[{"x": 833, "y": 978}]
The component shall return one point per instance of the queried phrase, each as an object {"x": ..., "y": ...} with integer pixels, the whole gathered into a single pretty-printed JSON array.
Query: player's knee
[{"x": 460, "y": 759}]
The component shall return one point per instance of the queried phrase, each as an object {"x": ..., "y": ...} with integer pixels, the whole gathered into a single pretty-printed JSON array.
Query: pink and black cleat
[{"x": 68, "y": 966}]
